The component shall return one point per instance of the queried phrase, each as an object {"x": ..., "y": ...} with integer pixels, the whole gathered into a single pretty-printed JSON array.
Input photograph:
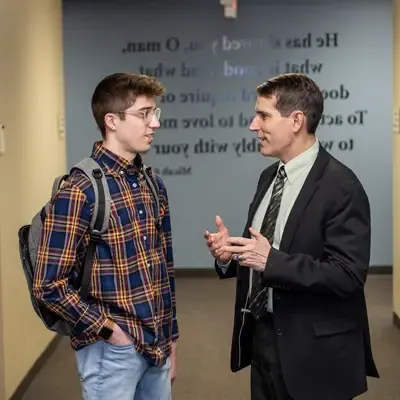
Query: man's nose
[
  {"x": 254, "y": 125},
  {"x": 154, "y": 123}
]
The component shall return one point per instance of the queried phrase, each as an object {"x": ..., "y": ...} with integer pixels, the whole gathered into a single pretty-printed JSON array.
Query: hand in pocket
[{"x": 120, "y": 337}]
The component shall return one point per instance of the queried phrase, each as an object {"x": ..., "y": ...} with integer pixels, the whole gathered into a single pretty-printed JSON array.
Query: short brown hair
[
  {"x": 295, "y": 92},
  {"x": 117, "y": 92}
]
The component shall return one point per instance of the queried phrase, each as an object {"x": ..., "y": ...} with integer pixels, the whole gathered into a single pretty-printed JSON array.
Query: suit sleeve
[
  {"x": 343, "y": 268},
  {"x": 226, "y": 272}
]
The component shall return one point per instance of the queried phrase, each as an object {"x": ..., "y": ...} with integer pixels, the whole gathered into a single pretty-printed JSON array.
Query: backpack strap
[
  {"x": 100, "y": 218},
  {"x": 102, "y": 204},
  {"x": 153, "y": 184},
  {"x": 57, "y": 184}
]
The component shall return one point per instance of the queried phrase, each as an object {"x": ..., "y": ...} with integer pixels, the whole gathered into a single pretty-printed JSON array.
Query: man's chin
[
  {"x": 146, "y": 149},
  {"x": 143, "y": 149},
  {"x": 267, "y": 152}
]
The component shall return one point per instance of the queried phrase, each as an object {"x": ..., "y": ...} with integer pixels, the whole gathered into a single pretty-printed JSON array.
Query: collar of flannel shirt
[{"x": 114, "y": 164}]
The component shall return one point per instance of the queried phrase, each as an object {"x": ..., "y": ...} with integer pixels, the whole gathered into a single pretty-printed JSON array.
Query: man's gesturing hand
[
  {"x": 252, "y": 253},
  {"x": 215, "y": 241}
]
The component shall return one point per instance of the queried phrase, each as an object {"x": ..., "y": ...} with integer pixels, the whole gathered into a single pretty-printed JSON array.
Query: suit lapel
[
  {"x": 310, "y": 186},
  {"x": 259, "y": 196}
]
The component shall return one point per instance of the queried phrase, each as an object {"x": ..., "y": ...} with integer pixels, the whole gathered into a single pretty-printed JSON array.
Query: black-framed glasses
[{"x": 147, "y": 115}]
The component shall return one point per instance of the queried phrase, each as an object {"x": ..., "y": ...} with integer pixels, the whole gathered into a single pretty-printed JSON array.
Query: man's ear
[
  {"x": 299, "y": 120},
  {"x": 109, "y": 121}
]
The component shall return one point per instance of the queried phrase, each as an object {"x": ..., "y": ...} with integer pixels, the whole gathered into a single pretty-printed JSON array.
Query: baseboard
[
  {"x": 35, "y": 369},
  {"x": 381, "y": 270},
  {"x": 396, "y": 320},
  {"x": 210, "y": 272},
  {"x": 195, "y": 273}
]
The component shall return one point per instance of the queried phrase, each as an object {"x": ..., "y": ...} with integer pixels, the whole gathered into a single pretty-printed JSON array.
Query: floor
[{"x": 205, "y": 314}]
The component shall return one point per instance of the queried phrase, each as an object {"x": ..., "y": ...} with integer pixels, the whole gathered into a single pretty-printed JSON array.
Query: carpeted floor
[{"x": 205, "y": 314}]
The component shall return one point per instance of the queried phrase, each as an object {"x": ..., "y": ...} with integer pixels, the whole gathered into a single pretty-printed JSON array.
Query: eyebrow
[
  {"x": 265, "y": 113},
  {"x": 145, "y": 108}
]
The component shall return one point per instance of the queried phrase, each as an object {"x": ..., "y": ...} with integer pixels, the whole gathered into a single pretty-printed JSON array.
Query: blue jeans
[{"x": 109, "y": 372}]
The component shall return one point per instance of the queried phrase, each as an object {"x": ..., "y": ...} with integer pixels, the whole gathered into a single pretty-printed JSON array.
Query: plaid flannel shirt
[{"x": 132, "y": 280}]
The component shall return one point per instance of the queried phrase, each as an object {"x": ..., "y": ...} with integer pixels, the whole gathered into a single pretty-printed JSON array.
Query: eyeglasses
[{"x": 146, "y": 115}]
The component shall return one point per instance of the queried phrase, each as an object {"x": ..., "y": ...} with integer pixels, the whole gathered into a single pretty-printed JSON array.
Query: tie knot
[{"x": 282, "y": 172}]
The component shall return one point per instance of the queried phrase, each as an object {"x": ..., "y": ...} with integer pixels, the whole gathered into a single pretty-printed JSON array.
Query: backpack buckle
[
  {"x": 97, "y": 174},
  {"x": 95, "y": 236}
]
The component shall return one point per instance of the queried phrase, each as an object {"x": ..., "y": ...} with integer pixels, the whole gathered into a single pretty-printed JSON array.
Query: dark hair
[
  {"x": 295, "y": 92},
  {"x": 117, "y": 92}
]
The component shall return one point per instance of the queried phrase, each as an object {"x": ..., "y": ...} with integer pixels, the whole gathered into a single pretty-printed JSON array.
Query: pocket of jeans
[
  {"x": 120, "y": 346},
  {"x": 82, "y": 356}
]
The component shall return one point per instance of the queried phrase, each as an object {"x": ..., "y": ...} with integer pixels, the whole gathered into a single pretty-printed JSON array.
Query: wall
[
  {"x": 204, "y": 151},
  {"x": 31, "y": 100},
  {"x": 3, "y": 193},
  {"x": 396, "y": 165}
]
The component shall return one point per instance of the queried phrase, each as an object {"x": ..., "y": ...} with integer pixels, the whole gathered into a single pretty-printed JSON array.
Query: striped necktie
[{"x": 259, "y": 294}]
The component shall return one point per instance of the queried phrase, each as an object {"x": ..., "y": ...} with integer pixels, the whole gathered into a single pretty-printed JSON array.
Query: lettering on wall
[{"x": 225, "y": 47}]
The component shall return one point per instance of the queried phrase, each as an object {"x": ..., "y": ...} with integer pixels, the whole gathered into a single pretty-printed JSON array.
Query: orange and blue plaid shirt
[{"x": 132, "y": 279}]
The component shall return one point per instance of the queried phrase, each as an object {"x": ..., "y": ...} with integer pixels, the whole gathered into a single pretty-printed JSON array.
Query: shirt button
[
  {"x": 279, "y": 332},
  {"x": 134, "y": 184},
  {"x": 121, "y": 173},
  {"x": 140, "y": 211},
  {"x": 144, "y": 237}
]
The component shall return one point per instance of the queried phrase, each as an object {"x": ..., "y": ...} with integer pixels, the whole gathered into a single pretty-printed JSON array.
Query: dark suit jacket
[{"x": 318, "y": 276}]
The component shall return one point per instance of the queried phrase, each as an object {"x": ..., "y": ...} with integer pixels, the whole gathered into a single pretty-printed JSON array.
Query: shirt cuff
[
  {"x": 90, "y": 322},
  {"x": 226, "y": 265},
  {"x": 175, "y": 331}
]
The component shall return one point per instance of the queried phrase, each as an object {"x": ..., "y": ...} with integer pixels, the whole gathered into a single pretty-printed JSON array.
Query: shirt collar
[
  {"x": 113, "y": 163},
  {"x": 295, "y": 167}
]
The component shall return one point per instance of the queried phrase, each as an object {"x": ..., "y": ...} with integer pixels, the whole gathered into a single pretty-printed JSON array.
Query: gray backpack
[{"x": 29, "y": 237}]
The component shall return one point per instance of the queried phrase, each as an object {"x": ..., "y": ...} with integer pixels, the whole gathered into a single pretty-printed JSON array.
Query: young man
[
  {"x": 125, "y": 333},
  {"x": 300, "y": 315}
]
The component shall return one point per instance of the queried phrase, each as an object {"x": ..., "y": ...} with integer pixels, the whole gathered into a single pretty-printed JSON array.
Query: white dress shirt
[{"x": 296, "y": 170}]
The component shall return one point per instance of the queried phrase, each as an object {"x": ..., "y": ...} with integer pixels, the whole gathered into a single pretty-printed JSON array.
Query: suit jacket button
[{"x": 279, "y": 332}]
